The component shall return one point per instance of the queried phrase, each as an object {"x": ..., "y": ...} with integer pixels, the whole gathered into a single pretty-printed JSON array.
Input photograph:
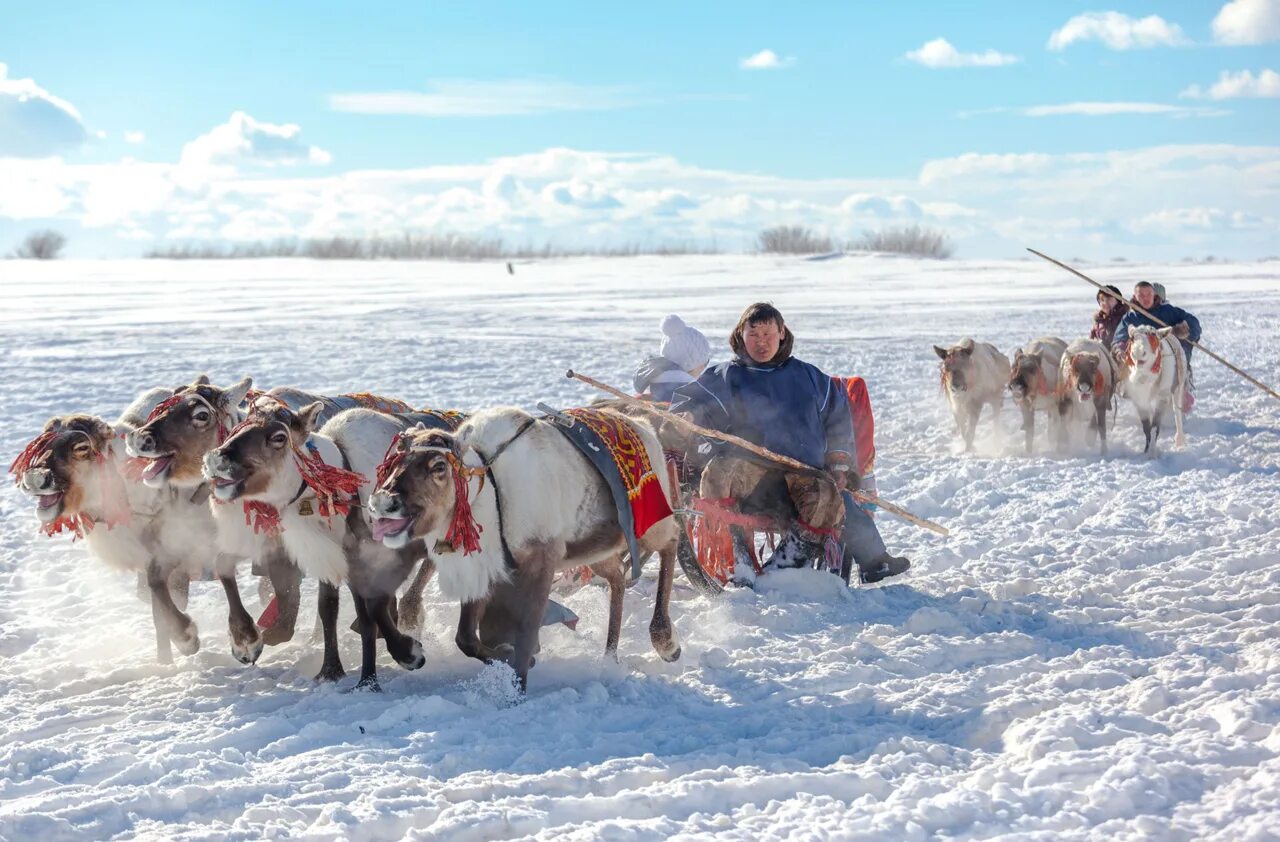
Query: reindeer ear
[
  {"x": 941, "y": 352},
  {"x": 1164, "y": 331},
  {"x": 309, "y": 415},
  {"x": 234, "y": 394},
  {"x": 202, "y": 380},
  {"x": 966, "y": 344}
]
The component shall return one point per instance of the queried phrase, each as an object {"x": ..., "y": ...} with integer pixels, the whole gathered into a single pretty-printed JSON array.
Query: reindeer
[
  {"x": 973, "y": 375},
  {"x": 78, "y": 474},
  {"x": 194, "y": 421},
  {"x": 507, "y": 502},
  {"x": 1086, "y": 386},
  {"x": 291, "y": 477},
  {"x": 1156, "y": 381},
  {"x": 1033, "y": 384}
]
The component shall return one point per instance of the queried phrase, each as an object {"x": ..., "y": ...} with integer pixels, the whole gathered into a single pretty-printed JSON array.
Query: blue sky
[{"x": 667, "y": 134}]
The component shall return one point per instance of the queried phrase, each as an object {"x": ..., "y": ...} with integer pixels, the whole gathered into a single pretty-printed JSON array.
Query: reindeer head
[
  {"x": 1084, "y": 377},
  {"x": 65, "y": 467},
  {"x": 1026, "y": 376},
  {"x": 183, "y": 428},
  {"x": 1144, "y": 350},
  {"x": 256, "y": 461},
  {"x": 417, "y": 487},
  {"x": 957, "y": 365}
]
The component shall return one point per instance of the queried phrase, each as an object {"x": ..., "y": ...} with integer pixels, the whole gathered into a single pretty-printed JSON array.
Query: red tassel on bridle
[
  {"x": 463, "y": 532},
  {"x": 334, "y": 487},
  {"x": 34, "y": 448}
]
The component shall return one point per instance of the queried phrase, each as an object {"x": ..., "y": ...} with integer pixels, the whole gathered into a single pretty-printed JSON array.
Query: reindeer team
[{"x": 358, "y": 490}]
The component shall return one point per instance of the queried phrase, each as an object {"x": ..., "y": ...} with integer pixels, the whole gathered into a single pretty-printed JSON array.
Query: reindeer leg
[
  {"x": 411, "y": 602},
  {"x": 533, "y": 591},
  {"x": 178, "y": 626},
  {"x": 406, "y": 651},
  {"x": 164, "y": 649},
  {"x": 286, "y": 581},
  {"x": 246, "y": 643},
  {"x": 1100, "y": 409},
  {"x": 611, "y": 571},
  {"x": 1146, "y": 431},
  {"x": 469, "y": 639},
  {"x": 662, "y": 633},
  {"x": 1028, "y": 425},
  {"x": 331, "y": 669},
  {"x": 970, "y": 426},
  {"x": 368, "y": 646},
  {"x": 1180, "y": 439}
]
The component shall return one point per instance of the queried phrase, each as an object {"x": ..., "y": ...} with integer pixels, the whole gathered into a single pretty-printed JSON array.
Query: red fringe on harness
[
  {"x": 464, "y": 532},
  {"x": 334, "y": 487},
  {"x": 713, "y": 537},
  {"x": 263, "y": 518}
]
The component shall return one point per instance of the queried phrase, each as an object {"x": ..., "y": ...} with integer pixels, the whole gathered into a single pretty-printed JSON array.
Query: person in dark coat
[
  {"x": 682, "y": 356},
  {"x": 1111, "y": 309},
  {"x": 1185, "y": 326},
  {"x": 770, "y": 398}
]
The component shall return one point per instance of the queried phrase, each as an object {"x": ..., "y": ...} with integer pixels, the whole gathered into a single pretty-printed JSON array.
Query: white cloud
[
  {"x": 1093, "y": 203},
  {"x": 1118, "y": 31},
  {"x": 475, "y": 98},
  {"x": 766, "y": 60},
  {"x": 243, "y": 140},
  {"x": 1266, "y": 85},
  {"x": 939, "y": 53},
  {"x": 1248, "y": 22},
  {"x": 1107, "y": 109},
  {"x": 33, "y": 122},
  {"x": 135, "y": 137}
]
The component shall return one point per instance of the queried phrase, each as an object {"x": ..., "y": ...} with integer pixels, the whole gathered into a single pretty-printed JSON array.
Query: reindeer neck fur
[
  {"x": 314, "y": 543},
  {"x": 118, "y": 544}
]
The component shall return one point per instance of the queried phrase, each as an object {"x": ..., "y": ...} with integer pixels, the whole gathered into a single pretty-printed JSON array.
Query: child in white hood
[{"x": 682, "y": 356}]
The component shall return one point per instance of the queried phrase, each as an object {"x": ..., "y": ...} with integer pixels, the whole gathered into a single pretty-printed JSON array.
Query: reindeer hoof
[
  {"x": 187, "y": 640},
  {"x": 671, "y": 657},
  {"x": 247, "y": 653},
  {"x": 330, "y": 673},
  {"x": 415, "y": 658},
  {"x": 367, "y": 685}
]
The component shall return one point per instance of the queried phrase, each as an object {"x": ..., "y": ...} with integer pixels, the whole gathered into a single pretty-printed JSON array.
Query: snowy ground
[{"x": 1091, "y": 654}]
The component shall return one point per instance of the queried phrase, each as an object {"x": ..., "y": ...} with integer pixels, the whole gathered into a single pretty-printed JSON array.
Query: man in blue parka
[
  {"x": 1185, "y": 326},
  {"x": 770, "y": 398}
]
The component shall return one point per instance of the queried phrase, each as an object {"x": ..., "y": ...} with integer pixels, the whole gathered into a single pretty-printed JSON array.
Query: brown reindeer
[
  {"x": 1033, "y": 385},
  {"x": 1086, "y": 387},
  {"x": 174, "y": 440},
  {"x": 77, "y": 472},
  {"x": 506, "y": 503}
]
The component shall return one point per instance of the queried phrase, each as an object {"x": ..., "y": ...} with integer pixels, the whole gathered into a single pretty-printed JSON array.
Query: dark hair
[
  {"x": 759, "y": 313},
  {"x": 1144, "y": 284},
  {"x": 1116, "y": 295}
]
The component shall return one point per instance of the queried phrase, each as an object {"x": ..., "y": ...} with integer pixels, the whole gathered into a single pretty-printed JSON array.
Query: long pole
[
  {"x": 1255, "y": 381},
  {"x": 860, "y": 496}
]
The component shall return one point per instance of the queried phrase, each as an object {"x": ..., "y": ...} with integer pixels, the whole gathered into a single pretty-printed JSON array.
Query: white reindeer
[
  {"x": 1156, "y": 382},
  {"x": 974, "y": 375},
  {"x": 539, "y": 507}
]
